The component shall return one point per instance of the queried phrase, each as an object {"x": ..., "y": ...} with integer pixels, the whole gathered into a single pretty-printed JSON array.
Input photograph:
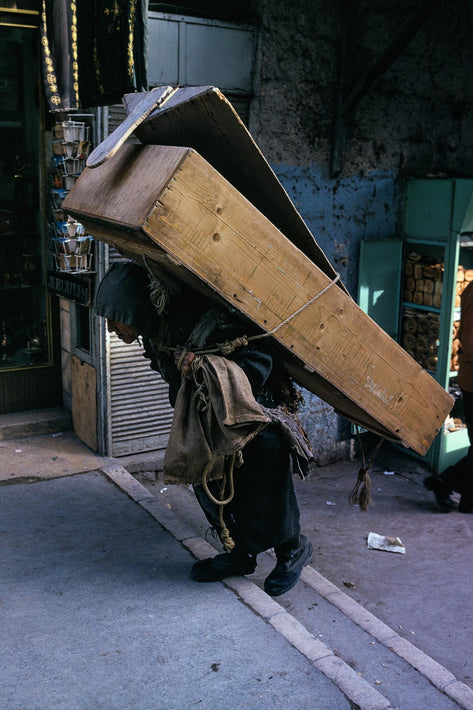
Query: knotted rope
[
  {"x": 361, "y": 492},
  {"x": 201, "y": 395},
  {"x": 227, "y": 480}
]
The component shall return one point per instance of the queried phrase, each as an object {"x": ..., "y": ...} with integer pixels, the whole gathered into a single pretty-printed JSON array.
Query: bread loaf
[
  {"x": 418, "y": 298},
  {"x": 428, "y": 286},
  {"x": 409, "y": 324},
  {"x": 423, "y": 325},
  {"x": 409, "y": 341},
  {"x": 422, "y": 344}
]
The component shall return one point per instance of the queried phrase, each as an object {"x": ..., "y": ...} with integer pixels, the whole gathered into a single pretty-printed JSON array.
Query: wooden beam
[
  {"x": 394, "y": 50},
  {"x": 348, "y": 12}
]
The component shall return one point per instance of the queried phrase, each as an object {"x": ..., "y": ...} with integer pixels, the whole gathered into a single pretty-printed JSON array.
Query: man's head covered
[{"x": 123, "y": 297}]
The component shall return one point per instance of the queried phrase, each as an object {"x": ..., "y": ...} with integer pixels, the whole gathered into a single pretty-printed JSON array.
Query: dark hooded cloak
[
  {"x": 123, "y": 296},
  {"x": 263, "y": 512}
]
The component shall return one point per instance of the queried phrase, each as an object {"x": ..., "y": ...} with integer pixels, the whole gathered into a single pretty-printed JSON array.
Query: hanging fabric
[
  {"x": 113, "y": 41},
  {"x": 93, "y": 52},
  {"x": 59, "y": 54}
]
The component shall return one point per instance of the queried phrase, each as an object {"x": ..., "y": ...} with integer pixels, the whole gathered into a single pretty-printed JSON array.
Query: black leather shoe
[
  {"x": 441, "y": 492},
  {"x": 288, "y": 568},
  {"x": 229, "y": 564}
]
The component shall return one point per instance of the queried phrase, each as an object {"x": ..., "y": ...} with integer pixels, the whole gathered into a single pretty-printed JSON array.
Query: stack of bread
[
  {"x": 464, "y": 276},
  {"x": 455, "y": 347},
  {"x": 420, "y": 336},
  {"x": 423, "y": 280}
]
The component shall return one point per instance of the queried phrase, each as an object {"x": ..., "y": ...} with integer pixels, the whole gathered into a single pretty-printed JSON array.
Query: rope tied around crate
[
  {"x": 299, "y": 310},
  {"x": 230, "y": 346},
  {"x": 361, "y": 492}
]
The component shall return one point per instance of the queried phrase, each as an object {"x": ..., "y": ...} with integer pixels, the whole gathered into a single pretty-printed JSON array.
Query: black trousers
[
  {"x": 459, "y": 477},
  {"x": 264, "y": 511}
]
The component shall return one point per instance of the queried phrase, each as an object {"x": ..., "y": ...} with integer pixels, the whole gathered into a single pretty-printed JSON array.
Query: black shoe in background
[{"x": 441, "y": 492}]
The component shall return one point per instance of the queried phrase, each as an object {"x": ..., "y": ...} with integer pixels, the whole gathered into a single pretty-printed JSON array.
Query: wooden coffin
[
  {"x": 169, "y": 208},
  {"x": 201, "y": 117}
]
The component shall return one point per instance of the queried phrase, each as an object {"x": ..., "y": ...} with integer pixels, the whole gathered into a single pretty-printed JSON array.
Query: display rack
[
  {"x": 424, "y": 272},
  {"x": 71, "y": 248}
]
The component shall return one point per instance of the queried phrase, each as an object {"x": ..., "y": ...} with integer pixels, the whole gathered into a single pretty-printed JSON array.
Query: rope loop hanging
[
  {"x": 361, "y": 492},
  {"x": 227, "y": 481}
]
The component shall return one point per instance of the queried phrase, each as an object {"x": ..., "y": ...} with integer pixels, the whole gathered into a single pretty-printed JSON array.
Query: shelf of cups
[
  {"x": 68, "y": 227},
  {"x": 73, "y": 254},
  {"x": 71, "y": 246},
  {"x": 74, "y": 263}
]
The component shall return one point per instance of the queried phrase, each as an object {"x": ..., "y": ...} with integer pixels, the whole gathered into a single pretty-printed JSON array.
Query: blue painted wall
[{"x": 339, "y": 213}]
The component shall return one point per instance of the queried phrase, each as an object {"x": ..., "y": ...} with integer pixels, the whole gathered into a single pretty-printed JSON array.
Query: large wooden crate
[
  {"x": 167, "y": 207},
  {"x": 201, "y": 117}
]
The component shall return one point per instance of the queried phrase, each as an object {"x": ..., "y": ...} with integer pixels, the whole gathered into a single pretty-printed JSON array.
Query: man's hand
[{"x": 184, "y": 364}]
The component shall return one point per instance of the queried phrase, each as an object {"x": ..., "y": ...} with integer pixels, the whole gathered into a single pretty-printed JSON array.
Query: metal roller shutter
[{"x": 140, "y": 414}]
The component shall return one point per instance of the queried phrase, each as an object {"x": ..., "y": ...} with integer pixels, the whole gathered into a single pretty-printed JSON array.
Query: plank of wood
[
  {"x": 84, "y": 402},
  {"x": 204, "y": 222},
  {"x": 149, "y": 101},
  {"x": 206, "y": 233},
  {"x": 202, "y": 118}
]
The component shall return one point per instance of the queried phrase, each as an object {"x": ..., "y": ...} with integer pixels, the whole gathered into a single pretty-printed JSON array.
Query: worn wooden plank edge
[{"x": 108, "y": 147}]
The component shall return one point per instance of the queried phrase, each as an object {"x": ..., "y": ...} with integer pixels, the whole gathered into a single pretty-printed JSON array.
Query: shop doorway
[{"x": 30, "y": 374}]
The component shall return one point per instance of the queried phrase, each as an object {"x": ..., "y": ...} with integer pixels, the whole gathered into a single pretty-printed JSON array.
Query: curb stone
[
  {"x": 356, "y": 689},
  {"x": 439, "y": 676}
]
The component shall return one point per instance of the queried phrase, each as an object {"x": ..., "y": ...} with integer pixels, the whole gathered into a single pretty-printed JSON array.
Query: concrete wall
[{"x": 417, "y": 120}]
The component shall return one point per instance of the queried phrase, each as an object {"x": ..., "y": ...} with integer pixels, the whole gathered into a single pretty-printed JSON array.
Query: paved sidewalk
[{"x": 100, "y": 613}]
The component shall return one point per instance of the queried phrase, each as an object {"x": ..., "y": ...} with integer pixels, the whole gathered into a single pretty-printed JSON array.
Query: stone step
[{"x": 34, "y": 422}]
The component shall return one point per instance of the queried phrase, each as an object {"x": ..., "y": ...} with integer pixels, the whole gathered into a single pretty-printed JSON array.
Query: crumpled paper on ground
[{"x": 388, "y": 544}]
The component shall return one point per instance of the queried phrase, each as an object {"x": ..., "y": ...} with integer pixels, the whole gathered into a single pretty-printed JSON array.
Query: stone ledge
[{"x": 34, "y": 422}]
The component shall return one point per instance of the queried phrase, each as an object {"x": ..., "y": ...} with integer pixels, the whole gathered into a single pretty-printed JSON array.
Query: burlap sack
[{"x": 215, "y": 415}]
